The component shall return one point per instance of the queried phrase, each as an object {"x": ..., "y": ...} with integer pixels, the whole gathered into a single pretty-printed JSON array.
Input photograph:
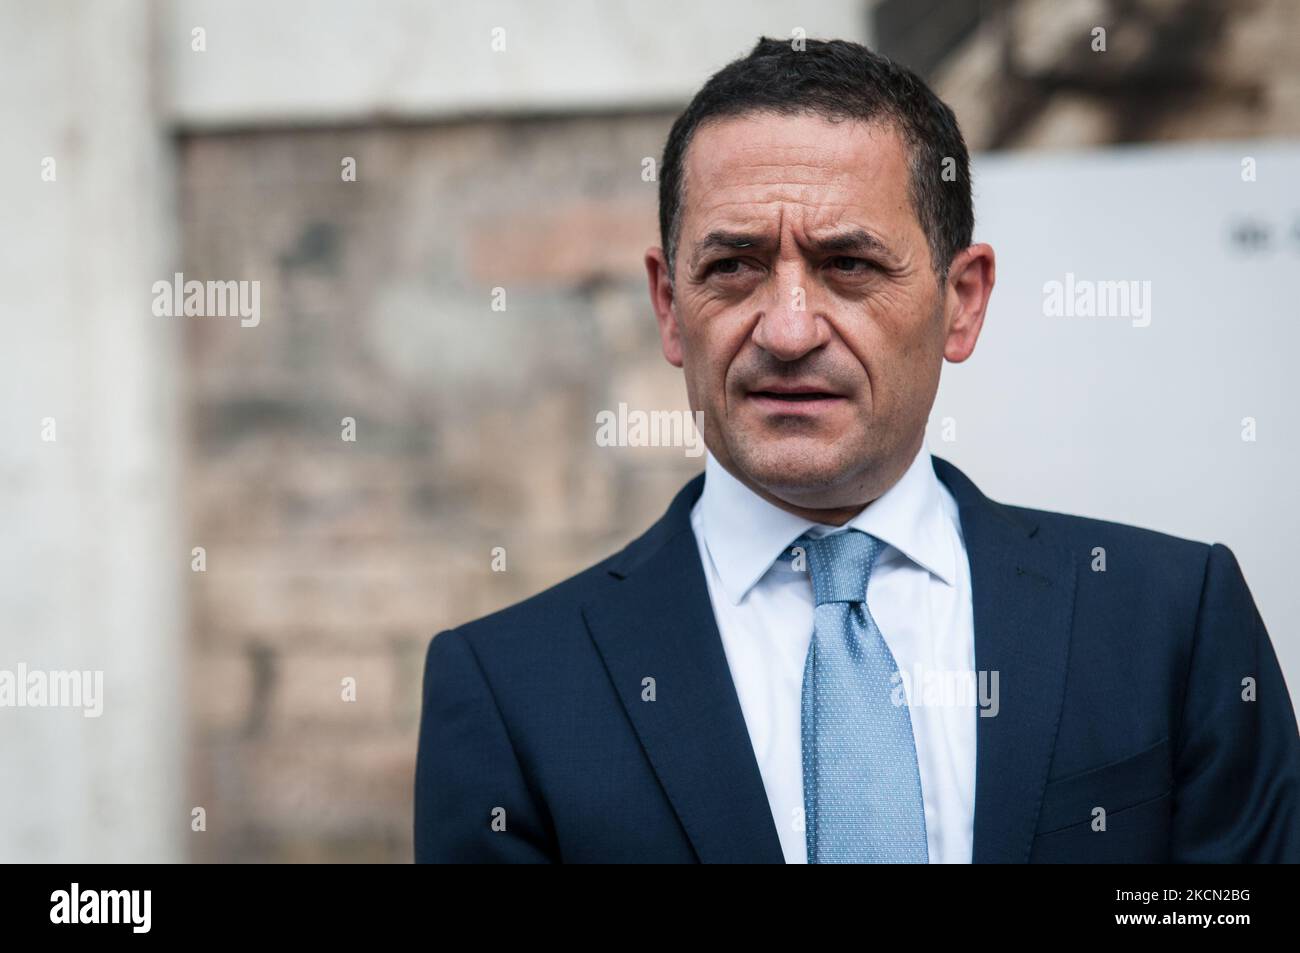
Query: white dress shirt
[{"x": 920, "y": 596}]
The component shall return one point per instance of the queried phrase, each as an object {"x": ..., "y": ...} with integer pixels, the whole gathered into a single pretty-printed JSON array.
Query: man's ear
[
  {"x": 966, "y": 297},
  {"x": 662, "y": 300}
]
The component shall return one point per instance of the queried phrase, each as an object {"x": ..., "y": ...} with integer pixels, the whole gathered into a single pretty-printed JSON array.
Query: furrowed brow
[{"x": 857, "y": 240}]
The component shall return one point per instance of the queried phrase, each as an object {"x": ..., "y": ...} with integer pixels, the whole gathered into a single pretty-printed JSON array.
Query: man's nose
[{"x": 788, "y": 328}]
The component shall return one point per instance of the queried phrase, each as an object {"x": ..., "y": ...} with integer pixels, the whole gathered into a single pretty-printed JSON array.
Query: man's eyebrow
[
  {"x": 721, "y": 239},
  {"x": 857, "y": 239}
]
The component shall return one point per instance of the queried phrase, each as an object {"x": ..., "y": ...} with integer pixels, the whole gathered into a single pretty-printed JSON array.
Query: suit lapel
[
  {"x": 658, "y": 623},
  {"x": 1023, "y": 594}
]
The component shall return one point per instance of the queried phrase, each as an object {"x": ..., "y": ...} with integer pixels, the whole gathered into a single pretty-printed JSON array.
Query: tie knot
[{"x": 840, "y": 564}]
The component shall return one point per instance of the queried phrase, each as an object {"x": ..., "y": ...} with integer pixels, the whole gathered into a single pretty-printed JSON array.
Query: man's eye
[
  {"x": 725, "y": 266},
  {"x": 850, "y": 265}
]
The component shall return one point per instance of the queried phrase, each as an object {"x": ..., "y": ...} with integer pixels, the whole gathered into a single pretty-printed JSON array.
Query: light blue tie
[{"x": 861, "y": 781}]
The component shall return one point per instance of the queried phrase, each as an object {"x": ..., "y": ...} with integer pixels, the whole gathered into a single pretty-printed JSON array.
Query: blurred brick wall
[
  {"x": 1030, "y": 78},
  {"x": 475, "y": 429}
]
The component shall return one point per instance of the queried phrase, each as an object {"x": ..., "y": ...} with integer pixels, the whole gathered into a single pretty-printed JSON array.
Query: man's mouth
[
  {"x": 794, "y": 399},
  {"x": 794, "y": 395}
]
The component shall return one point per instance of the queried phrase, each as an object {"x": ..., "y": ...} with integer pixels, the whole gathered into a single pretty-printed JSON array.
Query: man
[{"x": 750, "y": 679}]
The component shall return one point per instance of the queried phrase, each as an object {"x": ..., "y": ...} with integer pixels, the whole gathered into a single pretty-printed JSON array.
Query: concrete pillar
[{"x": 91, "y": 550}]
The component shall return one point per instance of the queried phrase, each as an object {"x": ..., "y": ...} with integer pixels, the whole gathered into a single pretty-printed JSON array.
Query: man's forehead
[
  {"x": 801, "y": 148},
  {"x": 829, "y": 176}
]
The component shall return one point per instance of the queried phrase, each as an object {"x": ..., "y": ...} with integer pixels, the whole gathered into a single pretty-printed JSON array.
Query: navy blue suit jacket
[{"x": 1120, "y": 689}]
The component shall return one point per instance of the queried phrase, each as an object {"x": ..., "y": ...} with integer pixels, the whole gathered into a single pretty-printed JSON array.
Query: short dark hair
[{"x": 836, "y": 79}]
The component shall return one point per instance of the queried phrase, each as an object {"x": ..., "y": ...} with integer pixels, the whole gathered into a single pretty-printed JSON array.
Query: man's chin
[{"x": 793, "y": 467}]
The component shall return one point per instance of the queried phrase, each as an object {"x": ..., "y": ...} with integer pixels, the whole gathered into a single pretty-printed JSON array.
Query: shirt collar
[{"x": 745, "y": 534}]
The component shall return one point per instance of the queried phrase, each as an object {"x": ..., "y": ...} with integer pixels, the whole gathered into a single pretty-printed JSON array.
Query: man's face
[{"x": 805, "y": 311}]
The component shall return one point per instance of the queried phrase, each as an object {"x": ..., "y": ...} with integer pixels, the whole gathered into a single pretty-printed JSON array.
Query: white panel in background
[{"x": 1143, "y": 424}]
